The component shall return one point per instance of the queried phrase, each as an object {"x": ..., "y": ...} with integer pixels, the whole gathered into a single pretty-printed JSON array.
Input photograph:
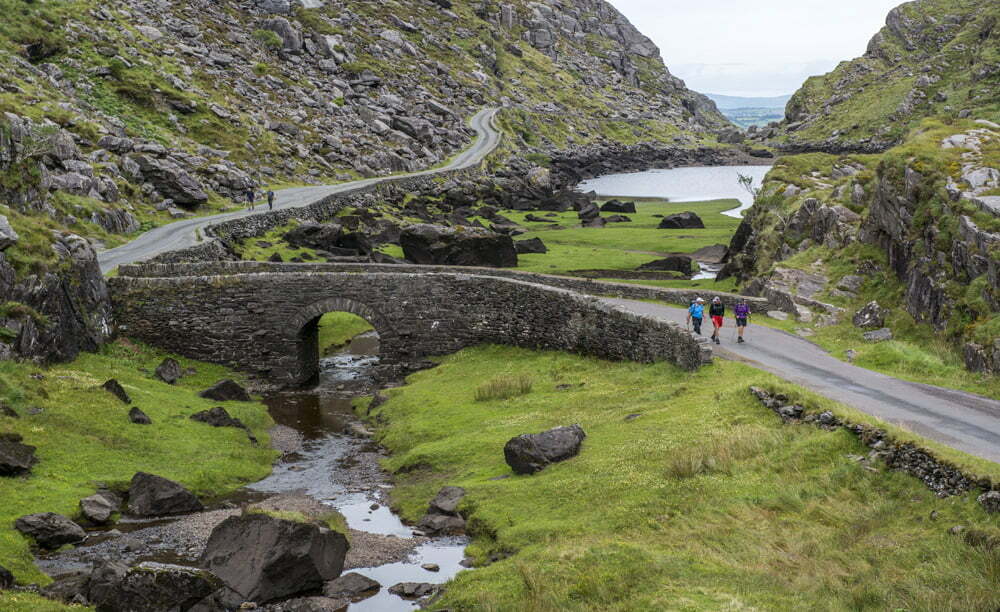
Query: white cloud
[{"x": 766, "y": 47}]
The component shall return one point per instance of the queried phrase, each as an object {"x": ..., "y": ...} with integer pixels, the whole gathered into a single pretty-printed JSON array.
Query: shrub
[
  {"x": 268, "y": 39},
  {"x": 504, "y": 387}
]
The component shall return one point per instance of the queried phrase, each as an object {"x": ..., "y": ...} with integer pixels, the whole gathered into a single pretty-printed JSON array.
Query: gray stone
[
  {"x": 169, "y": 371},
  {"x": 351, "y": 585},
  {"x": 870, "y": 316},
  {"x": 137, "y": 417},
  {"x": 97, "y": 508},
  {"x": 50, "y": 530},
  {"x": 990, "y": 501},
  {"x": 171, "y": 180},
  {"x": 16, "y": 458},
  {"x": 618, "y": 207},
  {"x": 674, "y": 263},
  {"x": 530, "y": 453},
  {"x": 278, "y": 7},
  {"x": 879, "y": 335},
  {"x": 226, "y": 391},
  {"x": 447, "y": 500},
  {"x": 264, "y": 558},
  {"x": 684, "y": 220},
  {"x": 8, "y": 237},
  {"x": 291, "y": 38},
  {"x": 115, "y": 388},
  {"x": 151, "y": 495},
  {"x": 412, "y": 590},
  {"x": 530, "y": 246},
  {"x": 150, "y": 587},
  {"x": 438, "y": 245}
]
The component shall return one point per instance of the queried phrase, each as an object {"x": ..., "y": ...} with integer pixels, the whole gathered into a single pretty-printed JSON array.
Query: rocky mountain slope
[
  {"x": 916, "y": 226},
  {"x": 932, "y": 58},
  {"x": 119, "y": 116}
]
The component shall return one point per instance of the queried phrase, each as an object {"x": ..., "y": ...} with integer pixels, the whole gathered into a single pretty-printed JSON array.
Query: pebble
[
  {"x": 374, "y": 507},
  {"x": 431, "y": 567}
]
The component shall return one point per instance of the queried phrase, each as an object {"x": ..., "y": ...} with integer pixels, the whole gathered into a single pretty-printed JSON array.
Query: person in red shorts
[{"x": 717, "y": 311}]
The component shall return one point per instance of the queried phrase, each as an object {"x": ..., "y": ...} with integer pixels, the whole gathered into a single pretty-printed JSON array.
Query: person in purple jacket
[{"x": 742, "y": 314}]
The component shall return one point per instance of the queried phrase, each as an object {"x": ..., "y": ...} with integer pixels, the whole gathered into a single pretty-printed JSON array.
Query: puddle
[{"x": 332, "y": 466}]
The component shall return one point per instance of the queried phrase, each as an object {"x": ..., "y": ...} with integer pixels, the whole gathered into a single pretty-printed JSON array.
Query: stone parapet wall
[
  {"x": 264, "y": 322},
  {"x": 579, "y": 285}
]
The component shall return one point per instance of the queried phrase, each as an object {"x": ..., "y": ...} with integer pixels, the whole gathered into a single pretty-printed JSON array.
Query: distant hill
[{"x": 733, "y": 102}]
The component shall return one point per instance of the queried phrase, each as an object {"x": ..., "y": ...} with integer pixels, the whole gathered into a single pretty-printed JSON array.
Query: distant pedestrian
[
  {"x": 696, "y": 313},
  {"x": 742, "y": 313},
  {"x": 251, "y": 196},
  {"x": 717, "y": 311},
  {"x": 270, "y": 199}
]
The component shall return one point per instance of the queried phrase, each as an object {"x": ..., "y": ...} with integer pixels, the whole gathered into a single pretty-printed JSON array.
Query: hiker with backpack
[
  {"x": 250, "y": 198},
  {"x": 696, "y": 313},
  {"x": 742, "y": 313},
  {"x": 270, "y": 199},
  {"x": 717, "y": 311}
]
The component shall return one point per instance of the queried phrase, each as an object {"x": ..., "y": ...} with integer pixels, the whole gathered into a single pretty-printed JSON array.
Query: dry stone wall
[{"x": 264, "y": 323}]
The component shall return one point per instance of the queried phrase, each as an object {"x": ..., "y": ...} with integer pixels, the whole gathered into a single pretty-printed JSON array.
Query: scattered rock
[
  {"x": 879, "y": 335},
  {"x": 138, "y": 417},
  {"x": 447, "y": 500},
  {"x": 151, "y": 495},
  {"x": 150, "y": 587},
  {"x": 50, "y": 530},
  {"x": 870, "y": 316},
  {"x": 226, "y": 391},
  {"x": 169, "y": 371},
  {"x": 309, "y": 604},
  {"x": 265, "y": 558},
  {"x": 8, "y": 237},
  {"x": 673, "y": 263},
  {"x": 6, "y": 578},
  {"x": 618, "y": 207},
  {"x": 684, "y": 220},
  {"x": 442, "y": 514},
  {"x": 443, "y": 246},
  {"x": 412, "y": 590},
  {"x": 217, "y": 417},
  {"x": 530, "y": 453},
  {"x": 990, "y": 501},
  {"x": 16, "y": 458},
  {"x": 431, "y": 567},
  {"x": 113, "y": 387},
  {"x": 351, "y": 585},
  {"x": 532, "y": 245},
  {"x": 98, "y": 508}
]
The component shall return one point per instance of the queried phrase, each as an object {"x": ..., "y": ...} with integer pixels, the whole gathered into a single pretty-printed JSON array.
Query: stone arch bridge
[{"x": 262, "y": 318}]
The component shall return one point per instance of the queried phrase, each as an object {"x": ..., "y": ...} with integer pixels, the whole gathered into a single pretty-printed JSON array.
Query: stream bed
[{"x": 327, "y": 459}]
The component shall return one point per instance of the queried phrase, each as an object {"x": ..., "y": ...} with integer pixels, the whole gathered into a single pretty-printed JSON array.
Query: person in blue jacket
[{"x": 696, "y": 313}]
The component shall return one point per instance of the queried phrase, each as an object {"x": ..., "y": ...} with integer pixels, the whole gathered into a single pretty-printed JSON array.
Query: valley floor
[{"x": 688, "y": 494}]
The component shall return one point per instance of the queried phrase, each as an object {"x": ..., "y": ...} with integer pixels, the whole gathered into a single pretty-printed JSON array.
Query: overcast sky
[{"x": 755, "y": 47}]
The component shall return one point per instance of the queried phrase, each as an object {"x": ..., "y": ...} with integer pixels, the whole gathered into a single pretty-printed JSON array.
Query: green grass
[
  {"x": 84, "y": 437},
  {"x": 337, "y": 328},
  {"x": 704, "y": 502}
]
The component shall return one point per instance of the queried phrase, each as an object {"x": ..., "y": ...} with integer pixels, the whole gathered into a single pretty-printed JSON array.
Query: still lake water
[{"x": 682, "y": 184}]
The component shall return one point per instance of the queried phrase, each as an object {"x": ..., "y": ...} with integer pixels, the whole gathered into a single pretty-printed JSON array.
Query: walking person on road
[
  {"x": 696, "y": 312},
  {"x": 270, "y": 199},
  {"x": 251, "y": 196},
  {"x": 717, "y": 311},
  {"x": 742, "y": 313}
]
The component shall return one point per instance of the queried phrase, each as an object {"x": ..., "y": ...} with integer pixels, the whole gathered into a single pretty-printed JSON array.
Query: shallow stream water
[{"x": 333, "y": 465}]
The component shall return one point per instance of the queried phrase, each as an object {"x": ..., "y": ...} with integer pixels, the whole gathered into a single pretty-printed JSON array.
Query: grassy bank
[
  {"x": 337, "y": 328},
  {"x": 706, "y": 501},
  {"x": 84, "y": 438},
  {"x": 623, "y": 246}
]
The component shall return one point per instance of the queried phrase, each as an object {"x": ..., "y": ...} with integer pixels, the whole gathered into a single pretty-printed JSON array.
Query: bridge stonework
[{"x": 264, "y": 321}]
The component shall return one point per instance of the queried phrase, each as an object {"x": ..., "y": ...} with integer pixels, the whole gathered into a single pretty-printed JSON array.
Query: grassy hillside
[{"x": 704, "y": 501}]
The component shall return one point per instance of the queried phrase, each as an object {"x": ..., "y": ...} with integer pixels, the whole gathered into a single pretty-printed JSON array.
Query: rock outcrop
[
  {"x": 151, "y": 495},
  {"x": 437, "y": 245},
  {"x": 530, "y": 453}
]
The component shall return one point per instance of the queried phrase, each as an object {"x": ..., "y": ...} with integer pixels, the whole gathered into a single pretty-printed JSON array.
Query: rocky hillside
[
  {"x": 119, "y": 116},
  {"x": 932, "y": 58}
]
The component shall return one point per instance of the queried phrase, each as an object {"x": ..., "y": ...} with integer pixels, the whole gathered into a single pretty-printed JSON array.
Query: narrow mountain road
[
  {"x": 963, "y": 421},
  {"x": 185, "y": 234}
]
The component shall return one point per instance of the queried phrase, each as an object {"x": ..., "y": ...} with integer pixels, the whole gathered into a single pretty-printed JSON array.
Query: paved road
[
  {"x": 963, "y": 421},
  {"x": 184, "y": 234}
]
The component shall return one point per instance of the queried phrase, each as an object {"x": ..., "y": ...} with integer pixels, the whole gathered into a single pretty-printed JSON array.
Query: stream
[{"x": 327, "y": 459}]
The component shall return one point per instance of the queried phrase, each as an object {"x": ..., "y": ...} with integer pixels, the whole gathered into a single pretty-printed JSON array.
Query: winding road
[
  {"x": 185, "y": 234},
  {"x": 963, "y": 421}
]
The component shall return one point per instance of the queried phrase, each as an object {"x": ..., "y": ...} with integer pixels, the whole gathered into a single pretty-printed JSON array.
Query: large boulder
[
  {"x": 322, "y": 236},
  {"x": 226, "y": 391},
  {"x": 99, "y": 507},
  {"x": 879, "y": 335},
  {"x": 16, "y": 458},
  {"x": 50, "y": 530},
  {"x": 684, "y": 220},
  {"x": 588, "y": 212},
  {"x": 265, "y": 558},
  {"x": 618, "y": 207},
  {"x": 171, "y": 180},
  {"x": 437, "y": 245},
  {"x": 673, "y": 263},
  {"x": 8, "y": 237},
  {"x": 152, "y": 495},
  {"x": 149, "y": 587},
  {"x": 870, "y": 316},
  {"x": 291, "y": 37},
  {"x": 530, "y": 453}
]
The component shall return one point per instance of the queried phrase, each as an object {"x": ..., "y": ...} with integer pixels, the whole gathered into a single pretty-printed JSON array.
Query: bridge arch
[{"x": 303, "y": 329}]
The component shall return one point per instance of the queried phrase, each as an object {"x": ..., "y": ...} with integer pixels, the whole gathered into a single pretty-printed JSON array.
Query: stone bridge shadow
[{"x": 263, "y": 319}]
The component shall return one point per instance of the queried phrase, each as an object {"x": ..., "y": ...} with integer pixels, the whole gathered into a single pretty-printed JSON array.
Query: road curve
[
  {"x": 963, "y": 421},
  {"x": 185, "y": 234}
]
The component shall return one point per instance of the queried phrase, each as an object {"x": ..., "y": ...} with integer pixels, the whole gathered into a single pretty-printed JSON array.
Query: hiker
[
  {"x": 717, "y": 311},
  {"x": 250, "y": 198},
  {"x": 696, "y": 313},
  {"x": 270, "y": 199},
  {"x": 742, "y": 314}
]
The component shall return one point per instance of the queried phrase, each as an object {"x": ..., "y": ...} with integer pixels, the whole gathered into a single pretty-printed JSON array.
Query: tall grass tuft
[
  {"x": 722, "y": 452},
  {"x": 504, "y": 387}
]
